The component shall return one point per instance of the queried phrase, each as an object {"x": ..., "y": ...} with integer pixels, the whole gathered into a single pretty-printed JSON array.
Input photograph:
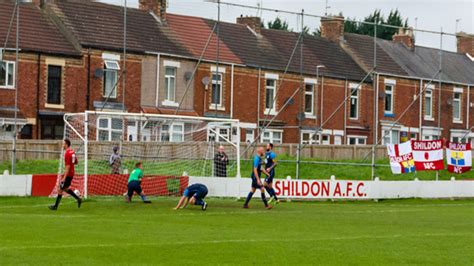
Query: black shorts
[
  {"x": 66, "y": 183},
  {"x": 269, "y": 179},
  {"x": 201, "y": 194},
  {"x": 255, "y": 183},
  {"x": 134, "y": 186}
]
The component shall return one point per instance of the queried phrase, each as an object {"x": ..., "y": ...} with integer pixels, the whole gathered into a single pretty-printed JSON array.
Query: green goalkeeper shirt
[{"x": 135, "y": 175}]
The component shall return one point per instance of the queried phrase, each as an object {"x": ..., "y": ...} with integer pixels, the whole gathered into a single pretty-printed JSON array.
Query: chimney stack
[
  {"x": 157, "y": 7},
  {"x": 332, "y": 28},
  {"x": 465, "y": 43},
  {"x": 255, "y": 23},
  {"x": 406, "y": 37}
]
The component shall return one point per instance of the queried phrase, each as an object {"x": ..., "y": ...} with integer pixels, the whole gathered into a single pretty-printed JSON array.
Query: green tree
[
  {"x": 278, "y": 24},
  {"x": 394, "y": 19}
]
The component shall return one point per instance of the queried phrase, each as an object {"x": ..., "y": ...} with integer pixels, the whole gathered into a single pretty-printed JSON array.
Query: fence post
[
  {"x": 373, "y": 162},
  {"x": 86, "y": 151}
]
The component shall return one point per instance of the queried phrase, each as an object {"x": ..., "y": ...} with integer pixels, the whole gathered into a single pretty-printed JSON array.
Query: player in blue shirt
[
  {"x": 194, "y": 194},
  {"x": 256, "y": 182},
  {"x": 270, "y": 165}
]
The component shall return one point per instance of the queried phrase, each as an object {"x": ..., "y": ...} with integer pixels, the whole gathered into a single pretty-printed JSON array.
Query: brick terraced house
[{"x": 81, "y": 48}]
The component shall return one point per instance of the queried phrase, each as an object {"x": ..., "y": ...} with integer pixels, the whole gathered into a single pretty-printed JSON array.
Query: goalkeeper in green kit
[{"x": 134, "y": 184}]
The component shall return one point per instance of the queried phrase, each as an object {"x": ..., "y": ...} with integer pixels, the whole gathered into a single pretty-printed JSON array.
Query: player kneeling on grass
[
  {"x": 194, "y": 194},
  {"x": 69, "y": 161},
  {"x": 134, "y": 184},
  {"x": 256, "y": 182}
]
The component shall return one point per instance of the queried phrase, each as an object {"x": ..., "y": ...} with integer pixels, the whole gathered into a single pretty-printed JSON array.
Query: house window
[
  {"x": 173, "y": 133},
  {"x": 109, "y": 129},
  {"x": 170, "y": 83},
  {"x": 457, "y": 106},
  {"x": 216, "y": 90},
  {"x": 354, "y": 102},
  {"x": 111, "y": 69},
  {"x": 272, "y": 136},
  {"x": 389, "y": 99},
  {"x": 249, "y": 135},
  {"x": 7, "y": 74},
  {"x": 54, "y": 84},
  {"x": 390, "y": 136},
  {"x": 429, "y": 104},
  {"x": 356, "y": 140},
  {"x": 309, "y": 138},
  {"x": 309, "y": 99},
  {"x": 219, "y": 134},
  {"x": 270, "y": 91}
]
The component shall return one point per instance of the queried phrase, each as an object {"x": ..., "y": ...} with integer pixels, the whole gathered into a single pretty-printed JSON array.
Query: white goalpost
[{"x": 171, "y": 148}]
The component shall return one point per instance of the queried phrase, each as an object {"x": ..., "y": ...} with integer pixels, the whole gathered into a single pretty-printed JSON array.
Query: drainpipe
[
  {"x": 158, "y": 66},
  {"x": 420, "y": 118},
  {"x": 322, "y": 104},
  {"x": 258, "y": 101},
  {"x": 467, "y": 107},
  {"x": 376, "y": 107},
  {"x": 88, "y": 93},
  {"x": 345, "y": 112},
  {"x": 232, "y": 92},
  {"x": 38, "y": 79}
]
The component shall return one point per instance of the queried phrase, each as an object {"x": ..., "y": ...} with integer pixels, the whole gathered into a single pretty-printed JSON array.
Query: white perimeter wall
[
  {"x": 341, "y": 189},
  {"x": 20, "y": 185},
  {"x": 15, "y": 185}
]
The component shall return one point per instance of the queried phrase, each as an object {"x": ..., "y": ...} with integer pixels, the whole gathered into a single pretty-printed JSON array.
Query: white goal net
[{"x": 171, "y": 148}]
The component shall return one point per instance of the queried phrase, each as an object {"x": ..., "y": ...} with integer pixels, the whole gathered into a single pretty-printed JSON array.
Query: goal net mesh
[{"x": 171, "y": 148}]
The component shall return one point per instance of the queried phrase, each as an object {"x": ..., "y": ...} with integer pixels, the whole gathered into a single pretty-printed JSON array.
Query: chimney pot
[
  {"x": 157, "y": 7},
  {"x": 332, "y": 28},
  {"x": 405, "y": 36},
  {"x": 465, "y": 43},
  {"x": 255, "y": 23}
]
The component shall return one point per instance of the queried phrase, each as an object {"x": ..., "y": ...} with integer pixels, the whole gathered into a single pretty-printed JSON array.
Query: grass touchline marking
[{"x": 115, "y": 245}]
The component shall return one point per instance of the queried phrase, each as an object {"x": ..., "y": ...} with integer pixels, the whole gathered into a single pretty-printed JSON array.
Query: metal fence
[{"x": 317, "y": 161}]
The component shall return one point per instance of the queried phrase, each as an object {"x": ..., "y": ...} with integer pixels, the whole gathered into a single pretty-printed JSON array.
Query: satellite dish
[
  {"x": 449, "y": 102},
  {"x": 382, "y": 95},
  {"x": 188, "y": 75},
  {"x": 98, "y": 73},
  {"x": 290, "y": 101},
  {"x": 205, "y": 80}
]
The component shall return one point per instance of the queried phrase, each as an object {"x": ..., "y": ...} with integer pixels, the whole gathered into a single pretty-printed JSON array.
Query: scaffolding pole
[{"x": 17, "y": 61}]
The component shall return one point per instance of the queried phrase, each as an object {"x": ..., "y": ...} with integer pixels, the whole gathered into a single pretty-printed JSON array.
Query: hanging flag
[
  {"x": 428, "y": 155},
  {"x": 401, "y": 158},
  {"x": 459, "y": 157}
]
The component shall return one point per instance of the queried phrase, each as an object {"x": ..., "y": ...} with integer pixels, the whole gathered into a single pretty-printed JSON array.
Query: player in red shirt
[{"x": 69, "y": 161}]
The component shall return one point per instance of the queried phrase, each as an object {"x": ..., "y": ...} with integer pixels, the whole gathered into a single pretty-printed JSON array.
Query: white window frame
[
  {"x": 387, "y": 93},
  {"x": 274, "y": 77},
  {"x": 111, "y": 66},
  {"x": 172, "y": 132},
  {"x": 356, "y": 87},
  {"x": 457, "y": 119},
  {"x": 168, "y": 101},
  {"x": 310, "y": 93},
  {"x": 428, "y": 94},
  {"x": 7, "y": 86},
  {"x": 219, "y": 84},
  {"x": 389, "y": 136},
  {"x": 271, "y": 138},
  {"x": 357, "y": 138},
  {"x": 214, "y": 134},
  {"x": 312, "y": 137},
  {"x": 109, "y": 128}
]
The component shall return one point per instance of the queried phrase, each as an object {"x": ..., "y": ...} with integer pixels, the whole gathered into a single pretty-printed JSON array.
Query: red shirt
[{"x": 70, "y": 159}]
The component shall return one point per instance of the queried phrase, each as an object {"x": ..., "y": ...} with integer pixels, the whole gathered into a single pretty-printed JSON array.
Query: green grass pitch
[{"x": 109, "y": 231}]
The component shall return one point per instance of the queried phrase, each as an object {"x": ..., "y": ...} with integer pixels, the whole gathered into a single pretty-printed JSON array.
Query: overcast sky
[{"x": 428, "y": 14}]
